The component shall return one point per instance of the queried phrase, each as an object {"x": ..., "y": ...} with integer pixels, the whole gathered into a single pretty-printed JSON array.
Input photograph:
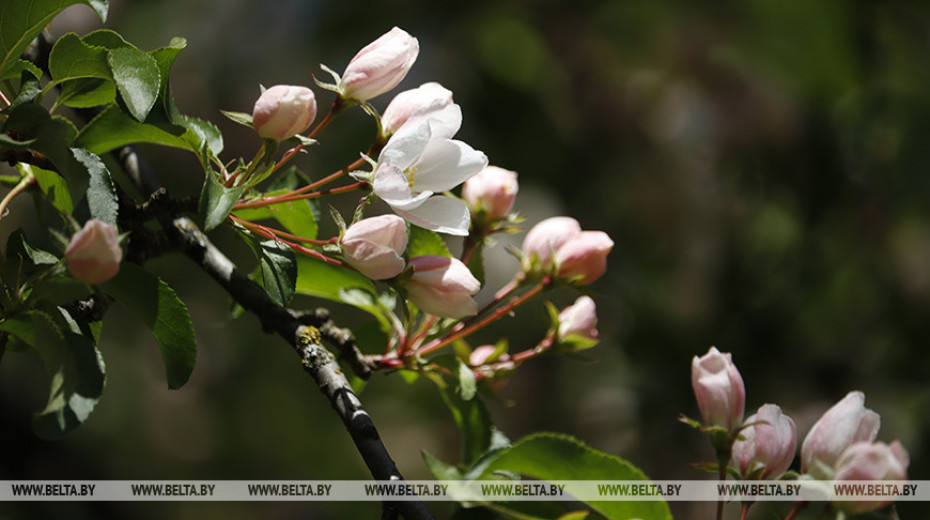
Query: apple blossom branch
[{"x": 306, "y": 339}]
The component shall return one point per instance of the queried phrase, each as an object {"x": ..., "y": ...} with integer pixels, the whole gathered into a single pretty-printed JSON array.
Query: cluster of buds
[
  {"x": 840, "y": 446},
  {"x": 416, "y": 163},
  {"x": 557, "y": 246},
  {"x": 439, "y": 285}
]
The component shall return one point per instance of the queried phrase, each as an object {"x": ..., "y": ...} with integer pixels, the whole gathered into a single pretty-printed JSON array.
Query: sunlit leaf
[
  {"x": 137, "y": 78},
  {"x": 216, "y": 201},
  {"x": 53, "y": 186},
  {"x": 101, "y": 194},
  {"x": 425, "y": 242},
  {"x": 22, "y": 20},
  {"x": 297, "y": 216},
  {"x": 82, "y": 73},
  {"x": 550, "y": 456},
  {"x": 112, "y": 129}
]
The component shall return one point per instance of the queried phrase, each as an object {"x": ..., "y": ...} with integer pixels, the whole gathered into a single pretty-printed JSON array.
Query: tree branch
[{"x": 184, "y": 234}]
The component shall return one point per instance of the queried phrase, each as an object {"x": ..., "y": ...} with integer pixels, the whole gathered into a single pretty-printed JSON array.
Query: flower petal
[
  {"x": 441, "y": 214},
  {"x": 406, "y": 146},
  {"x": 446, "y": 163},
  {"x": 391, "y": 184}
]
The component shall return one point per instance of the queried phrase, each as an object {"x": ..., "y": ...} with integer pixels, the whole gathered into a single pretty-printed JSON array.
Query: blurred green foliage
[{"x": 760, "y": 166}]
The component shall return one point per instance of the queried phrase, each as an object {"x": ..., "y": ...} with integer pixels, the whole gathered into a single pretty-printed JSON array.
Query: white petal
[
  {"x": 440, "y": 214},
  {"x": 445, "y": 122},
  {"x": 391, "y": 184},
  {"x": 406, "y": 145},
  {"x": 445, "y": 164}
]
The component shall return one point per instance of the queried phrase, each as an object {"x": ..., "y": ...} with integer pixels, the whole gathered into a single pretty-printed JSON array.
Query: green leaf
[
  {"x": 52, "y": 185},
  {"x": 16, "y": 69},
  {"x": 59, "y": 290},
  {"x": 72, "y": 58},
  {"x": 470, "y": 415},
  {"x": 550, "y": 456},
  {"x": 113, "y": 129},
  {"x": 106, "y": 39},
  {"x": 165, "y": 110},
  {"x": 82, "y": 72},
  {"x": 101, "y": 194},
  {"x": 74, "y": 366},
  {"x": 238, "y": 117},
  {"x": 327, "y": 280},
  {"x": 37, "y": 256},
  {"x": 425, "y": 242},
  {"x": 52, "y": 136},
  {"x": 22, "y": 20},
  {"x": 138, "y": 79},
  {"x": 216, "y": 201},
  {"x": 297, "y": 216},
  {"x": 440, "y": 469},
  {"x": 468, "y": 386},
  {"x": 163, "y": 313},
  {"x": 279, "y": 269},
  {"x": 369, "y": 302}
]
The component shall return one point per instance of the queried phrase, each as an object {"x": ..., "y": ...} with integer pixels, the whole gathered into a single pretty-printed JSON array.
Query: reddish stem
[
  {"x": 289, "y": 197},
  {"x": 460, "y": 333},
  {"x": 541, "y": 347},
  {"x": 744, "y": 514},
  {"x": 268, "y": 233},
  {"x": 316, "y": 130},
  {"x": 798, "y": 506}
]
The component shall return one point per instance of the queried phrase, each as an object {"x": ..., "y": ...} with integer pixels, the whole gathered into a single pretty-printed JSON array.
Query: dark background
[{"x": 761, "y": 166}]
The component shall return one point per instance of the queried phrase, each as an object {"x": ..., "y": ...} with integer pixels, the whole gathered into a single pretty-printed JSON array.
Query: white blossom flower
[{"x": 418, "y": 162}]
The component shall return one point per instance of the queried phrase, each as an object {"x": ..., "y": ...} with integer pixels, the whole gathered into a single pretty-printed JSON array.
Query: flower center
[{"x": 411, "y": 174}]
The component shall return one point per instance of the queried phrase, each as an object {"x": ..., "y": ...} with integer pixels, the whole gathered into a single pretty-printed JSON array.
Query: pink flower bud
[
  {"x": 93, "y": 256},
  {"x": 584, "y": 256},
  {"x": 492, "y": 191},
  {"x": 283, "y": 111},
  {"x": 379, "y": 66},
  {"x": 768, "y": 445},
  {"x": 871, "y": 461},
  {"x": 374, "y": 246},
  {"x": 718, "y": 386},
  {"x": 543, "y": 239},
  {"x": 481, "y": 355},
  {"x": 412, "y": 105},
  {"x": 442, "y": 286},
  {"x": 578, "y": 319},
  {"x": 846, "y": 423}
]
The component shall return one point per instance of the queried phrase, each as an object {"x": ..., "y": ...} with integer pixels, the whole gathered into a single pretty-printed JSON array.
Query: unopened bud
[
  {"x": 283, "y": 111},
  {"x": 871, "y": 461},
  {"x": 719, "y": 389},
  {"x": 583, "y": 258},
  {"x": 543, "y": 239},
  {"x": 844, "y": 424},
  {"x": 578, "y": 319},
  {"x": 767, "y": 447},
  {"x": 379, "y": 66},
  {"x": 491, "y": 191},
  {"x": 427, "y": 100},
  {"x": 94, "y": 254},
  {"x": 442, "y": 286},
  {"x": 374, "y": 246}
]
